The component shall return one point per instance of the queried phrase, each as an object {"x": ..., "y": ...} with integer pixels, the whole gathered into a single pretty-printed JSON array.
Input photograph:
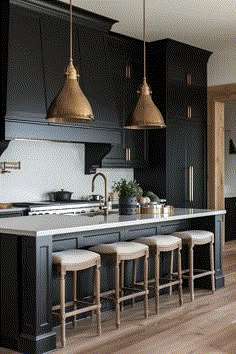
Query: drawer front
[
  {"x": 139, "y": 231},
  {"x": 95, "y": 239},
  {"x": 169, "y": 228},
  {"x": 65, "y": 244}
]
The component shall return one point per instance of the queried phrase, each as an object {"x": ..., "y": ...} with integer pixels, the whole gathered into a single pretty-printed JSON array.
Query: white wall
[
  {"x": 230, "y": 159},
  {"x": 49, "y": 166},
  {"x": 222, "y": 67}
]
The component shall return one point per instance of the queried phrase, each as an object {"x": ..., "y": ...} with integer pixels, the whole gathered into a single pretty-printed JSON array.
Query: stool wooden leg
[
  {"x": 97, "y": 298},
  {"x": 146, "y": 286},
  {"x": 212, "y": 267},
  {"x": 62, "y": 308},
  {"x": 191, "y": 280},
  {"x": 157, "y": 280},
  {"x": 122, "y": 284},
  {"x": 117, "y": 294},
  {"x": 180, "y": 278},
  {"x": 171, "y": 269},
  {"x": 74, "y": 295},
  {"x": 134, "y": 272}
]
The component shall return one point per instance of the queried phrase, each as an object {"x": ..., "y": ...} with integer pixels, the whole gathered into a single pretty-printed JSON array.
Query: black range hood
[
  {"x": 94, "y": 154},
  {"x": 27, "y": 120}
]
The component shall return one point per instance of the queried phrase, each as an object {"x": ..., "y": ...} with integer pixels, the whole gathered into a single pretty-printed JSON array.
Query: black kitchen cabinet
[
  {"x": 185, "y": 165},
  {"x": 125, "y": 59},
  {"x": 230, "y": 219},
  {"x": 25, "y": 88},
  {"x": 37, "y": 59},
  {"x": 177, "y": 74},
  {"x": 177, "y": 165},
  {"x": 178, "y": 77}
]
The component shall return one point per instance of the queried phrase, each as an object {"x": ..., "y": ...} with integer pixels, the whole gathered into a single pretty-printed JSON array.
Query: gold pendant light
[
  {"x": 146, "y": 115},
  {"x": 70, "y": 105}
]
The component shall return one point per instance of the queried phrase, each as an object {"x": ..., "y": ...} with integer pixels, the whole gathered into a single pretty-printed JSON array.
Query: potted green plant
[{"x": 128, "y": 192}]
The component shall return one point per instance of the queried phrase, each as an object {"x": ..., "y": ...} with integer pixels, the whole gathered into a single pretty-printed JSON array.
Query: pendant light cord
[
  {"x": 71, "y": 35},
  {"x": 144, "y": 42}
]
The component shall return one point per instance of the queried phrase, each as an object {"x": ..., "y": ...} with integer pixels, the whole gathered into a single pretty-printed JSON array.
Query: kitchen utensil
[{"x": 60, "y": 196}]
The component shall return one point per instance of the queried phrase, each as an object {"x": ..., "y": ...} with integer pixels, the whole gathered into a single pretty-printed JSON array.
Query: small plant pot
[{"x": 127, "y": 205}]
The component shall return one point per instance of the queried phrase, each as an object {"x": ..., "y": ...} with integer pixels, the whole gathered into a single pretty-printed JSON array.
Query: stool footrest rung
[
  {"x": 162, "y": 286},
  {"x": 78, "y": 311},
  {"x": 71, "y": 303},
  {"x": 126, "y": 297}
]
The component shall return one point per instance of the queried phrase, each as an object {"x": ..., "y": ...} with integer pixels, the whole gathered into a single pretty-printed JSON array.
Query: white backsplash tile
[{"x": 49, "y": 166}]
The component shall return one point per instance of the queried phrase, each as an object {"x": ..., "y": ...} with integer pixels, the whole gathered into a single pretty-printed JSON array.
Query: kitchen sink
[{"x": 101, "y": 212}]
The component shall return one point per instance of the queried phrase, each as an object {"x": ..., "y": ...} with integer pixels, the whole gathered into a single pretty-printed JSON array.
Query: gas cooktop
[
  {"x": 49, "y": 202},
  {"x": 72, "y": 206}
]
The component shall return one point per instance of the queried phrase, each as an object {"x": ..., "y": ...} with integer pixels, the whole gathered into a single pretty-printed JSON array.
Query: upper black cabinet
[
  {"x": 178, "y": 78},
  {"x": 25, "y": 81},
  {"x": 177, "y": 154},
  {"x": 125, "y": 61}
]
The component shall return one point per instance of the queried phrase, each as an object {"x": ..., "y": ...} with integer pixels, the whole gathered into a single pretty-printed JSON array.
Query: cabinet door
[
  {"x": 186, "y": 165},
  {"x": 196, "y": 165},
  {"x": 176, "y": 157},
  {"x": 97, "y": 77},
  {"x": 186, "y": 86},
  {"x": 25, "y": 91},
  {"x": 176, "y": 90},
  {"x": 197, "y": 91},
  {"x": 126, "y": 68},
  {"x": 136, "y": 151}
]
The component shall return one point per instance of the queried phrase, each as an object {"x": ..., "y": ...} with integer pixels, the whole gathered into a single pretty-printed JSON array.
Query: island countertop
[{"x": 41, "y": 225}]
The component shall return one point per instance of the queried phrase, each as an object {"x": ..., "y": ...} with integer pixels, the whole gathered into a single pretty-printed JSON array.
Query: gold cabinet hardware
[
  {"x": 127, "y": 154},
  {"x": 189, "y": 111},
  {"x": 128, "y": 71},
  {"x": 189, "y": 79},
  {"x": 190, "y": 183}
]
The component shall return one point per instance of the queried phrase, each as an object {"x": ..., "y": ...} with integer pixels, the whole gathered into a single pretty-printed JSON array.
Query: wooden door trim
[{"x": 217, "y": 96}]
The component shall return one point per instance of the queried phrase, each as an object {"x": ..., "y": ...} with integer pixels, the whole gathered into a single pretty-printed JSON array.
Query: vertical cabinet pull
[
  {"x": 190, "y": 183},
  {"x": 189, "y": 111},
  {"x": 127, "y": 154},
  {"x": 128, "y": 71},
  {"x": 189, "y": 79}
]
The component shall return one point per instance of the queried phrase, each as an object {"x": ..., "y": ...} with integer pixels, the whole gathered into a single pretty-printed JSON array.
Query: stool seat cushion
[
  {"x": 120, "y": 248},
  {"x": 194, "y": 235},
  {"x": 160, "y": 240},
  {"x": 73, "y": 257}
]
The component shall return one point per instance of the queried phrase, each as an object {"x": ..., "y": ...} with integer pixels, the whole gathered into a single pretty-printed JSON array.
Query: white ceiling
[{"x": 208, "y": 24}]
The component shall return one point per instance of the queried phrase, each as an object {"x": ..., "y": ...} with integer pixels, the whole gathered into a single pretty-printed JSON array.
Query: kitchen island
[{"x": 28, "y": 283}]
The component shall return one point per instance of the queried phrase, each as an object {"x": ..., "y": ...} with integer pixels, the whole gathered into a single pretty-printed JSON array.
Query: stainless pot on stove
[
  {"x": 95, "y": 197},
  {"x": 60, "y": 196}
]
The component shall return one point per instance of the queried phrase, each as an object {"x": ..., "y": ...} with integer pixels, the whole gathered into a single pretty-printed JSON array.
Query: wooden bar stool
[
  {"x": 158, "y": 244},
  {"x": 74, "y": 260},
  {"x": 193, "y": 238},
  {"x": 119, "y": 252}
]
